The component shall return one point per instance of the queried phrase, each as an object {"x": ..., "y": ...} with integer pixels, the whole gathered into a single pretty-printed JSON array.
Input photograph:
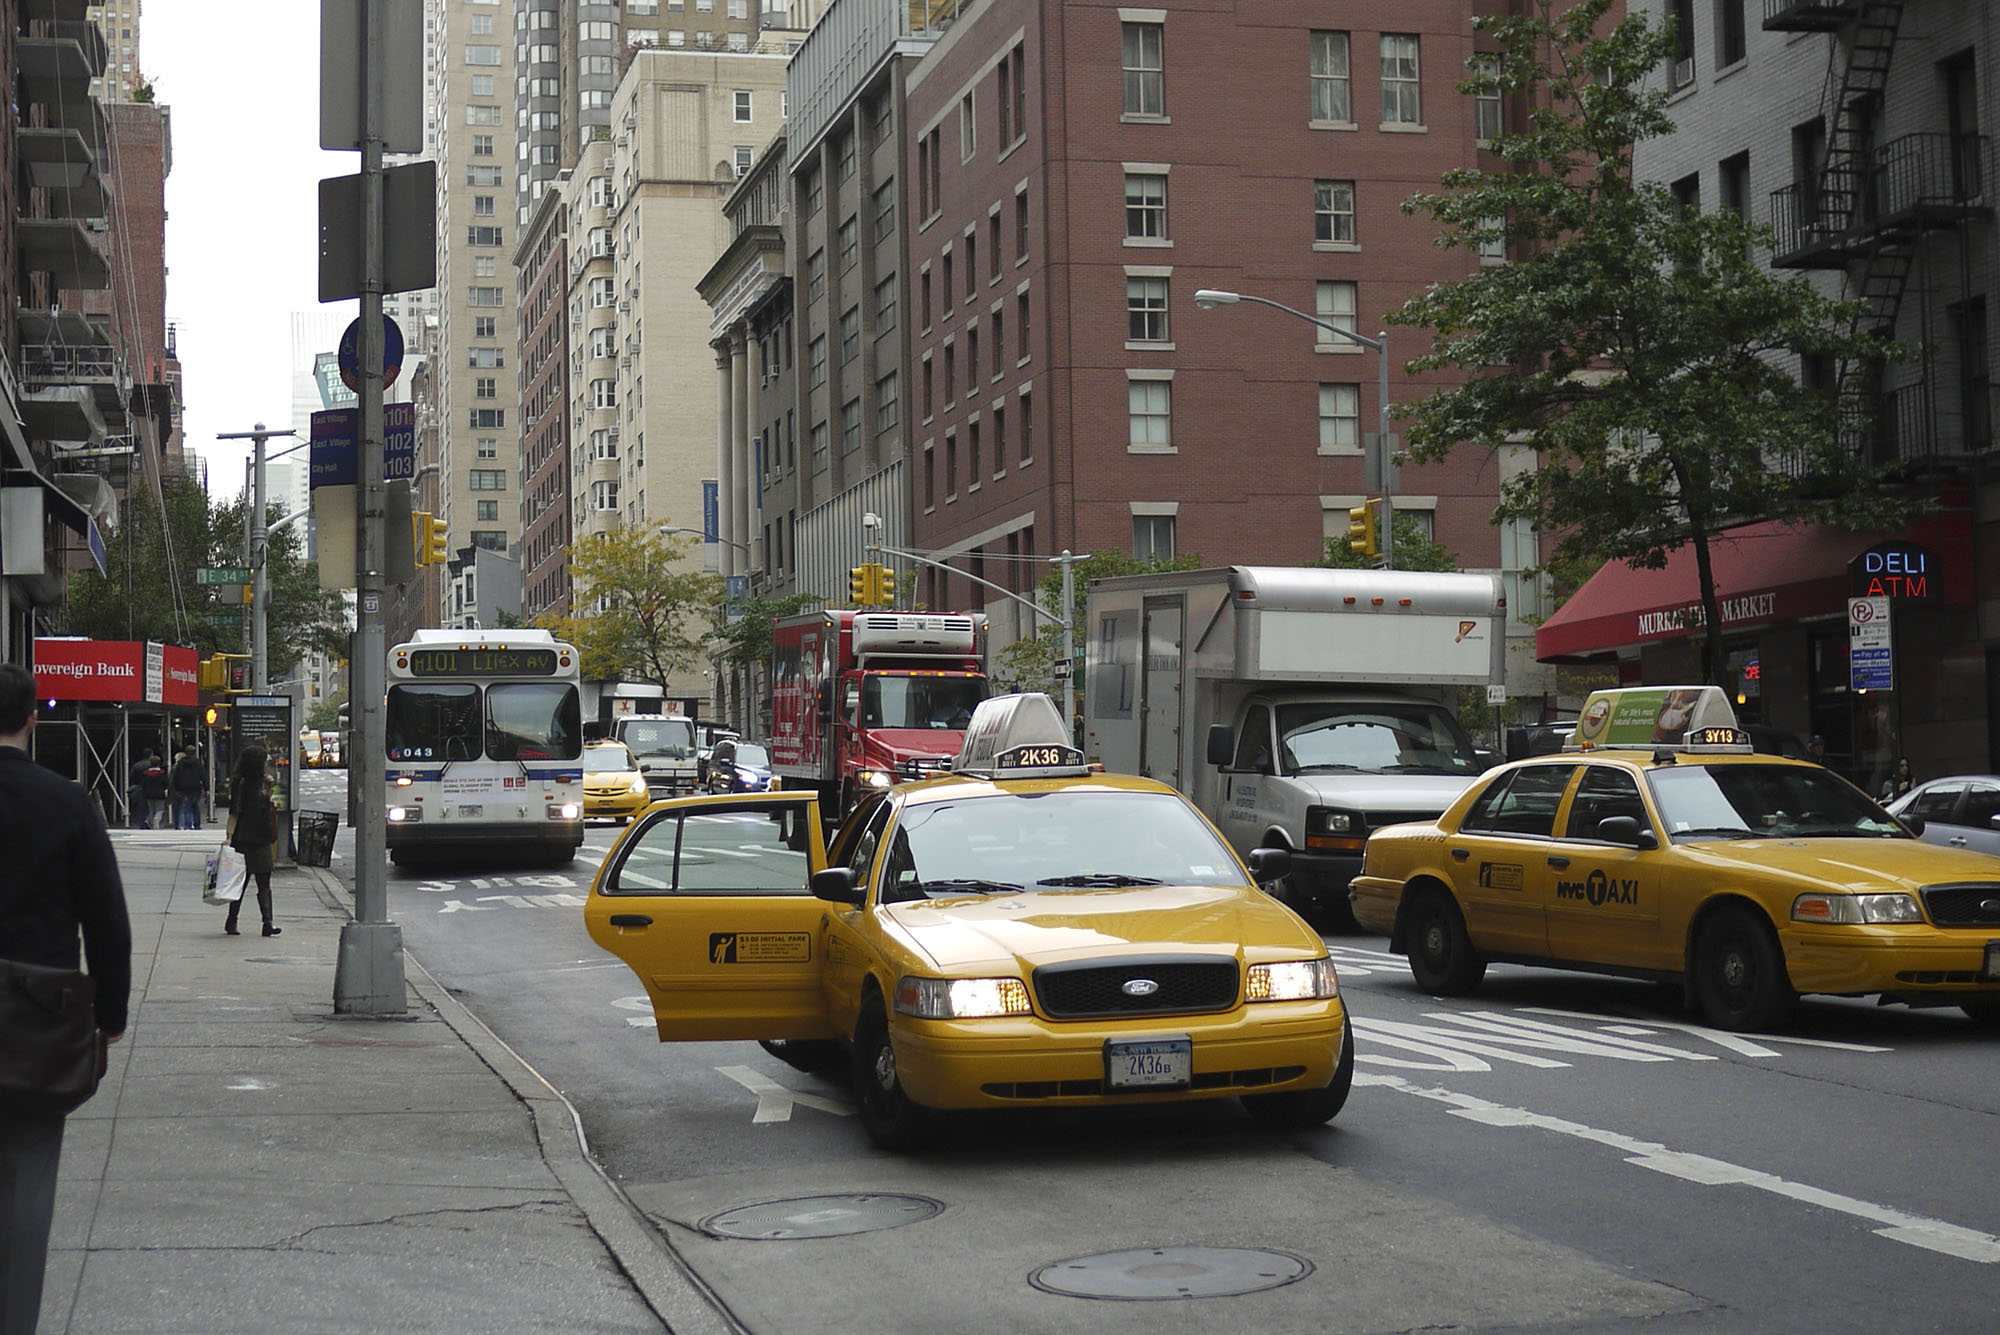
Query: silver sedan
[{"x": 1960, "y": 811}]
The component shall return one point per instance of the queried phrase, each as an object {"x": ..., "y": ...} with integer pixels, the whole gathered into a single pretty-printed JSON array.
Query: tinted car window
[
  {"x": 1938, "y": 802},
  {"x": 1764, "y": 801},
  {"x": 1604, "y": 792},
  {"x": 1982, "y": 804},
  {"x": 1523, "y": 802}
]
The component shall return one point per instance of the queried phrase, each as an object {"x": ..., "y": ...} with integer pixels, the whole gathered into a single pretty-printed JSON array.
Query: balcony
[
  {"x": 59, "y": 160},
  {"x": 64, "y": 250},
  {"x": 57, "y": 64},
  {"x": 1808, "y": 15},
  {"x": 1931, "y": 428},
  {"x": 1915, "y": 183},
  {"x": 58, "y": 11}
]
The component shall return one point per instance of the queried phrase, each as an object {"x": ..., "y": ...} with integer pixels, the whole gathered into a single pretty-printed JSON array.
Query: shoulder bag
[{"x": 53, "y": 1056}]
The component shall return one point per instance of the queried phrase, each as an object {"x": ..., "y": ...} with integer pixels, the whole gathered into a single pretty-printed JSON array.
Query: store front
[
  {"x": 106, "y": 704},
  {"x": 1790, "y": 656}
]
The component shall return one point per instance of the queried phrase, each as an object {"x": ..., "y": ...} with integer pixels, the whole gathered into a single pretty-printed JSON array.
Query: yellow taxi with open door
[{"x": 1024, "y": 932}]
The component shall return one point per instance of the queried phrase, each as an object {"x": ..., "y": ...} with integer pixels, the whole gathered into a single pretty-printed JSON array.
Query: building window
[
  {"x": 1333, "y": 211},
  {"x": 1027, "y": 427},
  {"x": 1334, "y": 304},
  {"x": 1145, "y": 206},
  {"x": 924, "y": 298},
  {"x": 482, "y": 115},
  {"x": 930, "y": 478},
  {"x": 1339, "y": 419},
  {"x": 850, "y": 335},
  {"x": 946, "y": 289},
  {"x": 601, "y": 293},
  {"x": 1730, "y": 45},
  {"x": 816, "y": 363},
  {"x": 487, "y": 447},
  {"x": 972, "y": 358},
  {"x": 604, "y": 495},
  {"x": 1017, "y": 62},
  {"x": 850, "y": 426},
  {"x": 999, "y": 345},
  {"x": 485, "y": 357},
  {"x": 1682, "y": 12},
  {"x": 488, "y": 479},
  {"x": 972, "y": 463},
  {"x": 950, "y": 373},
  {"x": 968, "y": 130},
  {"x": 815, "y": 194},
  {"x": 844, "y": 158},
  {"x": 485, "y": 387},
  {"x": 485, "y": 266},
  {"x": 486, "y": 177},
  {"x": 1146, "y": 310},
  {"x": 742, "y": 106},
  {"x": 999, "y": 439},
  {"x": 488, "y": 512},
  {"x": 483, "y": 296},
  {"x": 603, "y": 394},
  {"x": 482, "y": 206},
  {"x": 1020, "y": 225},
  {"x": 1401, "y": 103},
  {"x": 1145, "y": 69},
  {"x": 1486, "y": 111},
  {"x": 481, "y": 235},
  {"x": 886, "y": 303},
  {"x": 849, "y": 240},
  {"x": 993, "y": 244},
  {"x": 816, "y": 276},
  {"x": 971, "y": 265},
  {"x": 487, "y": 419},
  {"x": 1151, "y": 409},
  {"x": 930, "y": 386},
  {"x": 1152, "y": 538},
  {"x": 1021, "y": 326},
  {"x": 485, "y": 326},
  {"x": 887, "y": 410},
  {"x": 745, "y": 155},
  {"x": 1331, "y": 100},
  {"x": 885, "y": 210},
  {"x": 816, "y": 442},
  {"x": 482, "y": 55},
  {"x": 482, "y": 85},
  {"x": 950, "y": 466},
  {"x": 1733, "y": 174}
]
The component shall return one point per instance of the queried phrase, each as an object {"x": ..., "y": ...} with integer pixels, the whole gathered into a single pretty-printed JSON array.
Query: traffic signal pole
[
  {"x": 368, "y": 977},
  {"x": 259, "y": 538}
]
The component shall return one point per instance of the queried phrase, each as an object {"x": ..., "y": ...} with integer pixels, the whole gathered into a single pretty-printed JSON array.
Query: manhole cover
[
  {"x": 1152, "y": 1273},
  {"x": 820, "y": 1216}
]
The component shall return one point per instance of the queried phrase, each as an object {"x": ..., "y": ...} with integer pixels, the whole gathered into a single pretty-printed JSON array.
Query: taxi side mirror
[
  {"x": 1625, "y": 830},
  {"x": 1268, "y": 864},
  {"x": 1486, "y": 757},
  {"x": 1915, "y": 824},
  {"x": 836, "y": 885},
  {"x": 1221, "y": 744}
]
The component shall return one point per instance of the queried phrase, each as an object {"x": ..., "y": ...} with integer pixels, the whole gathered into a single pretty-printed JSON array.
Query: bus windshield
[
  {"x": 433, "y": 721},
  {"x": 533, "y": 720}
]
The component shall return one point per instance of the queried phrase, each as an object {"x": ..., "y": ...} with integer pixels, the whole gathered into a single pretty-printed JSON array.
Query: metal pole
[
  {"x": 1069, "y": 637},
  {"x": 256, "y": 544},
  {"x": 1388, "y": 461},
  {"x": 368, "y": 978}
]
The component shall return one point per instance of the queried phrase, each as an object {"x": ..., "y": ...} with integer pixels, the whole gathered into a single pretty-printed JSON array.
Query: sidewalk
[{"x": 254, "y": 1162}]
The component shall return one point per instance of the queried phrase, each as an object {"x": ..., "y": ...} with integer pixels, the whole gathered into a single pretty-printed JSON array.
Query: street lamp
[
  {"x": 1209, "y": 298},
  {"x": 671, "y": 529}
]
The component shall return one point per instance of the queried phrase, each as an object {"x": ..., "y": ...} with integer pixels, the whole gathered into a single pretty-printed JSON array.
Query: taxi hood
[
  {"x": 1859, "y": 866},
  {"x": 970, "y": 933}
]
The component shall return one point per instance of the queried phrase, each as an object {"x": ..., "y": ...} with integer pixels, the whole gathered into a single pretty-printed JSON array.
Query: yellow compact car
[
  {"x": 1025, "y": 932},
  {"x": 1659, "y": 845},
  {"x": 612, "y": 783}
]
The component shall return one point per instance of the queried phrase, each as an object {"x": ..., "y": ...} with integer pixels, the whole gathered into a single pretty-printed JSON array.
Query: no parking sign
[{"x": 1870, "y": 663}]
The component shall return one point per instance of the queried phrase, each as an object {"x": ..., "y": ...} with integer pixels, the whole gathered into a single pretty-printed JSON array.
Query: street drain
[
  {"x": 1149, "y": 1274},
  {"x": 820, "y": 1217}
]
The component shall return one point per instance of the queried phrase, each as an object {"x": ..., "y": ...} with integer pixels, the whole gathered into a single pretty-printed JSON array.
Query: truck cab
[{"x": 664, "y": 746}]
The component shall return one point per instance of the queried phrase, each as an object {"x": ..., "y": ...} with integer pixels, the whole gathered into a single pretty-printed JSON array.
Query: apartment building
[
  {"x": 1861, "y": 132},
  {"x": 542, "y": 261},
  {"x": 1076, "y": 174},
  {"x": 591, "y": 298},
  {"x": 122, "y": 78}
]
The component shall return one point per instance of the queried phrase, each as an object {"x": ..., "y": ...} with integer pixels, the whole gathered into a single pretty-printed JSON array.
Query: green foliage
[
  {"x": 148, "y": 590},
  {"x": 750, "y": 638},
  {"x": 324, "y": 715},
  {"x": 1414, "y": 550},
  {"x": 1636, "y": 346},
  {"x": 1029, "y": 662},
  {"x": 644, "y": 617}
]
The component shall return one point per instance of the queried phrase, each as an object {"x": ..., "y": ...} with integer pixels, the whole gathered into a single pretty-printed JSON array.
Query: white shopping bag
[{"x": 226, "y": 876}]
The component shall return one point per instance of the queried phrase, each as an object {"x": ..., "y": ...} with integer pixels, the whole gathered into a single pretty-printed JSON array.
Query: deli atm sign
[{"x": 1900, "y": 571}]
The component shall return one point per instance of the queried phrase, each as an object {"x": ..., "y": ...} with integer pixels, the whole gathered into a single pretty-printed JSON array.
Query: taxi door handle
[
  {"x": 1461, "y": 853},
  {"x": 1559, "y": 863},
  {"x": 630, "y": 920}
]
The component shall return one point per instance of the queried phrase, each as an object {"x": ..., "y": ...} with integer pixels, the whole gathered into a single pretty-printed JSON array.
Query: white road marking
[
  {"x": 1703, "y": 1170},
  {"x": 460, "y": 906},
  {"x": 774, "y": 1101},
  {"x": 1720, "y": 1037}
]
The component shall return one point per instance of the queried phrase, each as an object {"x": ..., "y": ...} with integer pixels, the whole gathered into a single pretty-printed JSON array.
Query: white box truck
[{"x": 1298, "y": 708}]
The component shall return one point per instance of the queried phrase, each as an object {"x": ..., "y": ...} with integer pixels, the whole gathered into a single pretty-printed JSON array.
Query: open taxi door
[{"x": 706, "y": 899}]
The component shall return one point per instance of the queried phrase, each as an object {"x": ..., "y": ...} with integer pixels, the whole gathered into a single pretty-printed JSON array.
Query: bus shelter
[{"x": 106, "y": 704}]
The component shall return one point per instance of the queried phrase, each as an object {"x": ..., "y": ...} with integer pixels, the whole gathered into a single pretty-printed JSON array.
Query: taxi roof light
[
  {"x": 1663, "y": 720},
  {"x": 1017, "y": 737}
]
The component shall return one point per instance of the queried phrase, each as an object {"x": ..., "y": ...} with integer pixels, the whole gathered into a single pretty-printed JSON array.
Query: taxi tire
[
  {"x": 1442, "y": 959},
  {"x": 1985, "y": 1014},
  {"x": 888, "y": 1115},
  {"x": 814, "y": 1056},
  {"x": 1738, "y": 973},
  {"x": 1303, "y": 1109}
]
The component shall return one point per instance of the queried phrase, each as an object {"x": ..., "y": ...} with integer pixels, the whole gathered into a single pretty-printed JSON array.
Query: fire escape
[{"x": 1866, "y": 211}]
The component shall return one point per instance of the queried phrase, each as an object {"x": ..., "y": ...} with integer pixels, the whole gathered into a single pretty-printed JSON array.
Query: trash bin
[{"x": 315, "y": 837}]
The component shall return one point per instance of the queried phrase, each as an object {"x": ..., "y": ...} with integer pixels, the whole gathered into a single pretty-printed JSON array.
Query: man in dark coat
[
  {"x": 57, "y": 880},
  {"x": 153, "y": 787},
  {"x": 190, "y": 782}
]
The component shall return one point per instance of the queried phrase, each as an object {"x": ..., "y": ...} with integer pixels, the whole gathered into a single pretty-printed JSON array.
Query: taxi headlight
[
  {"x": 874, "y": 778},
  {"x": 1856, "y": 908},
  {"x": 961, "y": 998},
  {"x": 638, "y": 784},
  {"x": 1291, "y": 980}
]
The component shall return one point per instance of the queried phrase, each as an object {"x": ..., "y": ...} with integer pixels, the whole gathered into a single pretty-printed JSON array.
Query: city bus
[{"x": 484, "y": 739}]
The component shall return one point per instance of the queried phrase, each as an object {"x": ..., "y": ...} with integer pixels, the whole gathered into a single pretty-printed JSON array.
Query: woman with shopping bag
[{"x": 253, "y": 832}]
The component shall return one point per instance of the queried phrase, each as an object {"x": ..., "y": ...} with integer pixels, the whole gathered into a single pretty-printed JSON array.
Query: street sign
[
  {"x": 409, "y": 232},
  {"x": 222, "y": 575},
  {"x": 402, "y": 48},
  {"x": 1061, "y": 669},
  {"x": 349, "y": 353},
  {"x": 334, "y": 432},
  {"x": 230, "y": 617},
  {"x": 1870, "y": 645},
  {"x": 1496, "y": 693}
]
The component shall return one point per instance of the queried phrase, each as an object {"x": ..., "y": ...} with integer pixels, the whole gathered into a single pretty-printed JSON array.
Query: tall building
[
  {"x": 1862, "y": 132},
  {"x": 1074, "y": 174},
  {"x": 477, "y": 400},
  {"x": 542, "y": 261},
  {"x": 118, "y": 20}
]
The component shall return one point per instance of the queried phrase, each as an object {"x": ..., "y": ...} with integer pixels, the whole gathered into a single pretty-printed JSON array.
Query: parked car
[
  {"x": 1962, "y": 811},
  {"x": 737, "y": 766}
]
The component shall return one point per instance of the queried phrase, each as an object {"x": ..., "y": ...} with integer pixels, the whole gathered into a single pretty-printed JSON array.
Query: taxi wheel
[
  {"x": 891, "y": 1120},
  {"x": 1985, "y": 1014},
  {"x": 814, "y": 1056},
  {"x": 1739, "y": 974},
  {"x": 1442, "y": 959},
  {"x": 1298, "y": 1110}
]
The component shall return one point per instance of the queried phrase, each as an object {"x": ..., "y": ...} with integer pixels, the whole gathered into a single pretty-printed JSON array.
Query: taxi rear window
[{"x": 1523, "y": 802}]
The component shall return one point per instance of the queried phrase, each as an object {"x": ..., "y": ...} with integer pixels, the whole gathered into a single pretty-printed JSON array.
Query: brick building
[{"x": 541, "y": 264}]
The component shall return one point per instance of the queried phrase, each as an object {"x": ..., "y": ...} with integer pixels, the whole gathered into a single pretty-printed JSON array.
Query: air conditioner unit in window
[
  {"x": 624, "y": 303},
  {"x": 1683, "y": 72}
]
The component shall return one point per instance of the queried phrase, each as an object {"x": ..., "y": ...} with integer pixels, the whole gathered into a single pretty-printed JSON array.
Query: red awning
[{"x": 1764, "y": 573}]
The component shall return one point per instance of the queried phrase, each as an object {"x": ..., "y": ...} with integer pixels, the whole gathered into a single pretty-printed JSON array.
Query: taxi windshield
[
  {"x": 1765, "y": 802},
  {"x": 1010, "y": 841},
  {"x": 613, "y": 759}
]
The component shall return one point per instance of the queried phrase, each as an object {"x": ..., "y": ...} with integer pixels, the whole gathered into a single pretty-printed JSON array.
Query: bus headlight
[
  {"x": 402, "y": 781},
  {"x": 1291, "y": 980},
  {"x": 405, "y": 815},
  {"x": 563, "y": 811}
]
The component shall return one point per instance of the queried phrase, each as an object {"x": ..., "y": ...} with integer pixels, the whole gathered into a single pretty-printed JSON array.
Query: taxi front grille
[
  {"x": 1180, "y": 985},
  {"x": 1967, "y": 904},
  {"x": 1254, "y": 1078}
]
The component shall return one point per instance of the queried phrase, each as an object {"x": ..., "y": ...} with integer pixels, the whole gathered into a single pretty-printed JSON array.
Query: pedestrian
[
  {"x": 58, "y": 881},
  {"x": 135, "y": 791},
  {"x": 1816, "y": 749},
  {"x": 153, "y": 787},
  {"x": 190, "y": 784},
  {"x": 253, "y": 832},
  {"x": 1899, "y": 781}
]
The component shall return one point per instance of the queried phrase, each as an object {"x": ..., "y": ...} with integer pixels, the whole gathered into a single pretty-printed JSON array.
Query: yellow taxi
[
  {"x": 612, "y": 783},
  {"x": 1024, "y": 932},
  {"x": 1659, "y": 845}
]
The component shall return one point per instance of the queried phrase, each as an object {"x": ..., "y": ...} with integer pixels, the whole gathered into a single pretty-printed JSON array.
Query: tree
[
  {"x": 642, "y": 615},
  {"x": 1415, "y": 550},
  {"x": 751, "y": 637},
  {"x": 1635, "y": 345},
  {"x": 148, "y": 590},
  {"x": 1030, "y": 660}
]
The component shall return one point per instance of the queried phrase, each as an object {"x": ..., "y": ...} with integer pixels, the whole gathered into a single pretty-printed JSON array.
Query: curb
[{"x": 678, "y": 1296}]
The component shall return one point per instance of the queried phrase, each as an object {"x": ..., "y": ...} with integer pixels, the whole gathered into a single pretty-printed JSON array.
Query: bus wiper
[{"x": 1100, "y": 879}]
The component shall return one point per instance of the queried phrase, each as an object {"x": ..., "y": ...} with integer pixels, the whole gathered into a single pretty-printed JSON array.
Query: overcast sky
[{"x": 241, "y": 78}]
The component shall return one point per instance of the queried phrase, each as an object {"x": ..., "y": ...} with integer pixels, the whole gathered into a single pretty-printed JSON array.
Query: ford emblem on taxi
[{"x": 1140, "y": 987}]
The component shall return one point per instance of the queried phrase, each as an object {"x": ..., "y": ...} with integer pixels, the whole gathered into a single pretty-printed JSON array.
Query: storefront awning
[{"x": 1764, "y": 573}]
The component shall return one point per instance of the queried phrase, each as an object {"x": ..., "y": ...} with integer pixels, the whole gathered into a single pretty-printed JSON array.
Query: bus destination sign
[{"x": 482, "y": 662}]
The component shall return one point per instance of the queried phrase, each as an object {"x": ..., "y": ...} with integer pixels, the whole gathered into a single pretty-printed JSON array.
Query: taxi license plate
[
  {"x": 471, "y": 810},
  {"x": 1166, "y": 1063},
  {"x": 1992, "y": 974}
]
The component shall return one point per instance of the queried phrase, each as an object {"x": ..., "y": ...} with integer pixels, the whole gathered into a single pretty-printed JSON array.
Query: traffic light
[
  {"x": 861, "y": 585},
  {"x": 238, "y": 668},
  {"x": 886, "y": 590},
  {"x": 215, "y": 714},
  {"x": 430, "y": 538},
  {"x": 1364, "y": 537}
]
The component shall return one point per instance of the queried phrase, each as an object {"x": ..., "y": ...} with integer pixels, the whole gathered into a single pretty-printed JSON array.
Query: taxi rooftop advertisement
[{"x": 1652, "y": 716}]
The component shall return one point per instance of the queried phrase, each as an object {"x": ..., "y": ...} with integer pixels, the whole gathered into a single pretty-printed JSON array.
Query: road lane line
[
  {"x": 1721, "y": 1038},
  {"x": 1704, "y": 1170},
  {"x": 775, "y": 1101}
]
